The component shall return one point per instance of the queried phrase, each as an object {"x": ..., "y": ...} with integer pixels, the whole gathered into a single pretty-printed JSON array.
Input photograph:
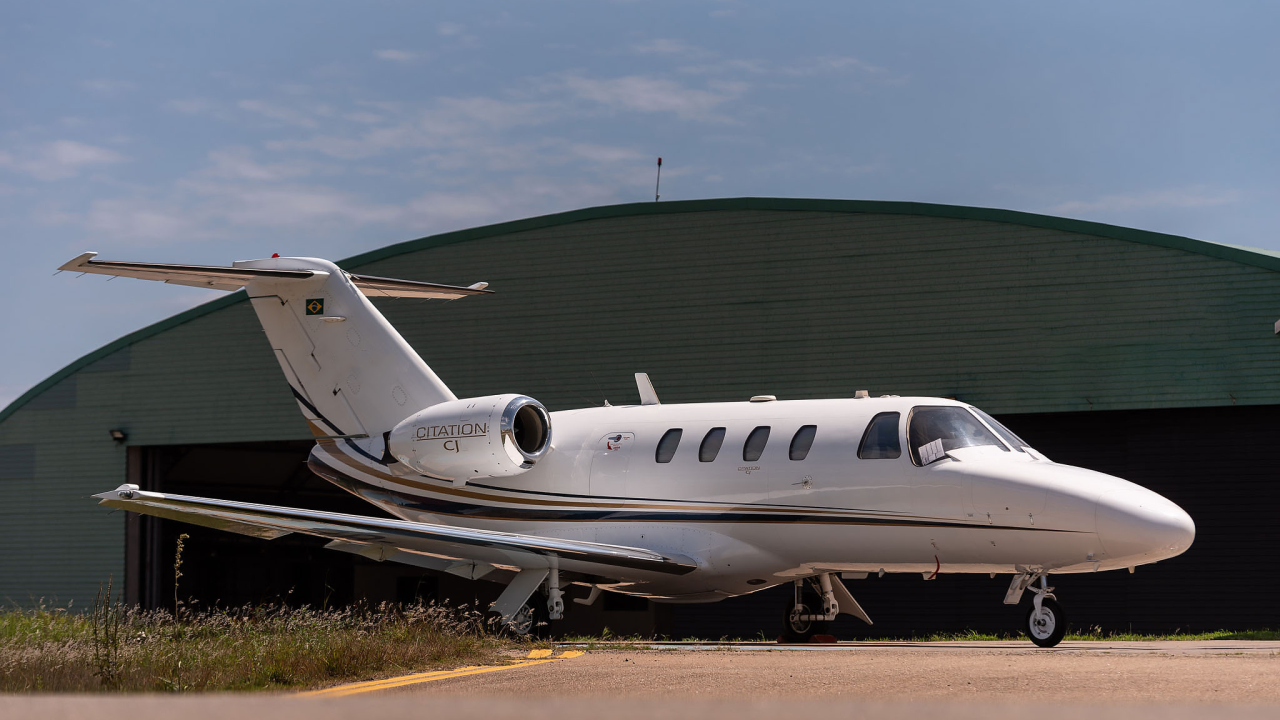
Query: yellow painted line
[
  {"x": 415, "y": 678},
  {"x": 538, "y": 654}
]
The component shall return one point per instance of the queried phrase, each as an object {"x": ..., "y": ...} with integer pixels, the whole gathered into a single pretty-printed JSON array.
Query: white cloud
[
  {"x": 834, "y": 64},
  {"x": 138, "y": 221},
  {"x": 366, "y": 118},
  {"x": 669, "y": 48},
  {"x": 604, "y": 153},
  {"x": 192, "y": 106},
  {"x": 448, "y": 122},
  {"x": 286, "y": 115},
  {"x": 238, "y": 163},
  {"x": 449, "y": 29},
  {"x": 401, "y": 56},
  {"x": 104, "y": 86},
  {"x": 290, "y": 206},
  {"x": 60, "y": 159},
  {"x": 648, "y": 94},
  {"x": 1197, "y": 196}
]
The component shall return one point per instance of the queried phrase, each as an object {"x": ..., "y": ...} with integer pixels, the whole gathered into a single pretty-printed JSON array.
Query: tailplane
[{"x": 352, "y": 373}]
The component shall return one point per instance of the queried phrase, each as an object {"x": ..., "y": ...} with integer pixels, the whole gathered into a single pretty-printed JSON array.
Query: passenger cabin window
[
  {"x": 711, "y": 443},
  {"x": 880, "y": 441},
  {"x": 667, "y": 445},
  {"x": 1004, "y": 432},
  {"x": 753, "y": 448},
  {"x": 932, "y": 431},
  {"x": 801, "y": 442}
]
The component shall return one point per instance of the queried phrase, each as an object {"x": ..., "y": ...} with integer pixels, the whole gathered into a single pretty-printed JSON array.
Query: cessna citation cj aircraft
[{"x": 675, "y": 503}]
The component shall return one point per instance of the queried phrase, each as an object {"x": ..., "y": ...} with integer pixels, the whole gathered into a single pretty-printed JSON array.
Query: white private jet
[{"x": 676, "y": 503}]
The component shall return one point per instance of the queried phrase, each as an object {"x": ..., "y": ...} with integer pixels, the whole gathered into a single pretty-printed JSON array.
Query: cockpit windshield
[
  {"x": 1004, "y": 432},
  {"x": 935, "y": 430}
]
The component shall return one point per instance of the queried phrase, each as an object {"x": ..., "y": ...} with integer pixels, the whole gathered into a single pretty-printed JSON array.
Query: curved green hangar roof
[{"x": 1219, "y": 277}]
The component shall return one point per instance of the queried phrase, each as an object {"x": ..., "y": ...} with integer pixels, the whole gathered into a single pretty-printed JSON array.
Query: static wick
[{"x": 659, "y": 183}]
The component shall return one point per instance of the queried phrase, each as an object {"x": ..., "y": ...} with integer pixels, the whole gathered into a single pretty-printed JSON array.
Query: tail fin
[{"x": 351, "y": 371}]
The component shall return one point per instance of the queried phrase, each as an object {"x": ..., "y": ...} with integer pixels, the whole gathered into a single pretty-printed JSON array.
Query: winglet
[
  {"x": 79, "y": 262},
  {"x": 647, "y": 394}
]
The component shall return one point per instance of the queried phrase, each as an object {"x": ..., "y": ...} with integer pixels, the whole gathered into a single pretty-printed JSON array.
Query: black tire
[
  {"x": 801, "y": 632},
  {"x": 538, "y": 626},
  {"x": 1048, "y": 630}
]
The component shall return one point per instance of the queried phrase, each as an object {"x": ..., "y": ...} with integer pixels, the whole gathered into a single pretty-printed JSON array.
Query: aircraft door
[{"x": 609, "y": 464}]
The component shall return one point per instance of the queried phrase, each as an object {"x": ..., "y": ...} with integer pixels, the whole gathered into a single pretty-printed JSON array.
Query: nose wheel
[{"x": 1046, "y": 624}]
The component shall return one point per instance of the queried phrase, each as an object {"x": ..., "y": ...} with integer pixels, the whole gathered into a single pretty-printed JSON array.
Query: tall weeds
[
  {"x": 115, "y": 648},
  {"x": 107, "y": 618}
]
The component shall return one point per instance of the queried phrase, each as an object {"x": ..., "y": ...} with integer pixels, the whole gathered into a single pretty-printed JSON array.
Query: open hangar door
[{"x": 230, "y": 570}]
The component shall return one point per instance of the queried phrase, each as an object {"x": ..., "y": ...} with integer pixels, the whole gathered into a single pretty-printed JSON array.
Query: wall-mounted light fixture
[{"x": 119, "y": 435}]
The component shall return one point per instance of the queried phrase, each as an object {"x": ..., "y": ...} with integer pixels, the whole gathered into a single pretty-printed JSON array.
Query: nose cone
[{"x": 1138, "y": 526}]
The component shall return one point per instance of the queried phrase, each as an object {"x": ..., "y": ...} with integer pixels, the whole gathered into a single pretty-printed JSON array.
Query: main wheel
[
  {"x": 799, "y": 631},
  {"x": 1049, "y": 626},
  {"x": 531, "y": 619}
]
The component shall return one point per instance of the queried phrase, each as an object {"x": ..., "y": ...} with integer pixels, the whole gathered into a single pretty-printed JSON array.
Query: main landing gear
[
  {"x": 1046, "y": 623},
  {"x": 522, "y": 610},
  {"x": 814, "y": 603}
]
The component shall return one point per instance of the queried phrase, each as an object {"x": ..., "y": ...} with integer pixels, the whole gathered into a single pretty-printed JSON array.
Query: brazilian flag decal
[{"x": 315, "y": 307}]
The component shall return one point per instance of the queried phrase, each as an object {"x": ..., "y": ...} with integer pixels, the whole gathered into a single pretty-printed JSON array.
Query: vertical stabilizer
[{"x": 351, "y": 371}]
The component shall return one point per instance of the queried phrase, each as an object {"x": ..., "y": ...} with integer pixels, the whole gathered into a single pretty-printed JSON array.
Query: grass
[{"x": 115, "y": 649}]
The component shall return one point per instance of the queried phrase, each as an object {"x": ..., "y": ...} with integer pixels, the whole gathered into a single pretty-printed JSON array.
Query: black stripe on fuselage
[
  {"x": 439, "y": 506},
  {"x": 336, "y": 430}
]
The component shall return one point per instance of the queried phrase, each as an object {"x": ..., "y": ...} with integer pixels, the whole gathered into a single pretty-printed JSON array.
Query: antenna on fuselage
[
  {"x": 600, "y": 388},
  {"x": 645, "y": 388}
]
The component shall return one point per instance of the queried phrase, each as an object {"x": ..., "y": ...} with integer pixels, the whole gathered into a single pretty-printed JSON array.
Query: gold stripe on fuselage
[{"x": 337, "y": 453}]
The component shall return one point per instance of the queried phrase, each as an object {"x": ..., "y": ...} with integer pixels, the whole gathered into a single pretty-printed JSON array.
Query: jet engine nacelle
[{"x": 493, "y": 436}]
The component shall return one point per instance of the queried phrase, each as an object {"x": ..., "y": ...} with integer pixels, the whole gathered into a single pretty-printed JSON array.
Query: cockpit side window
[
  {"x": 1004, "y": 432},
  {"x": 932, "y": 431},
  {"x": 880, "y": 440}
]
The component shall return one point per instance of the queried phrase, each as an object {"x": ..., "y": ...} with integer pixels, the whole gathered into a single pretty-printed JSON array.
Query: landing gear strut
[
  {"x": 1046, "y": 623},
  {"x": 809, "y": 611}
]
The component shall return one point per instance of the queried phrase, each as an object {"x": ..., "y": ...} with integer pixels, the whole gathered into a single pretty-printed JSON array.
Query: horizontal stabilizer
[
  {"x": 373, "y": 286},
  {"x": 234, "y": 278},
  {"x": 440, "y": 540}
]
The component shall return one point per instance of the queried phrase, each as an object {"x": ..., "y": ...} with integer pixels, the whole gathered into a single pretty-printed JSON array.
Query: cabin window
[
  {"x": 667, "y": 445},
  {"x": 710, "y": 446},
  {"x": 880, "y": 441},
  {"x": 753, "y": 448},
  {"x": 1004, "y": 432},
  {"x": 801, "y": 442},
  {"x": 933, "y": 431}
]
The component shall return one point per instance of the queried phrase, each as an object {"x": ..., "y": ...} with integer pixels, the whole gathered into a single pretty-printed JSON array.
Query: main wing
[
  {"x": 378, "y": 535},
  {"x": 234, "y": 278}
]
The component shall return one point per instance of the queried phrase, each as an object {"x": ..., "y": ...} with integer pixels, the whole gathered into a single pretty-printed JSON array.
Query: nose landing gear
[{"x": 1046, "y": 623}]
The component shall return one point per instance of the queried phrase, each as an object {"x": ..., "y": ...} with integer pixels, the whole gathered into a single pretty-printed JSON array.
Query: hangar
[{"x": 1149, "y": 356}]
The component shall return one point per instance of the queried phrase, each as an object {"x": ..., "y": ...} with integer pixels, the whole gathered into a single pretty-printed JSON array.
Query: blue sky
[{"x": 210, "y": 132}]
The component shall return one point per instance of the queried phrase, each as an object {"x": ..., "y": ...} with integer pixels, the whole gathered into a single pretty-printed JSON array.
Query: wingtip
[
  {"x": 79, "y": 261},
  {"x": 124, "y": 492}
]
